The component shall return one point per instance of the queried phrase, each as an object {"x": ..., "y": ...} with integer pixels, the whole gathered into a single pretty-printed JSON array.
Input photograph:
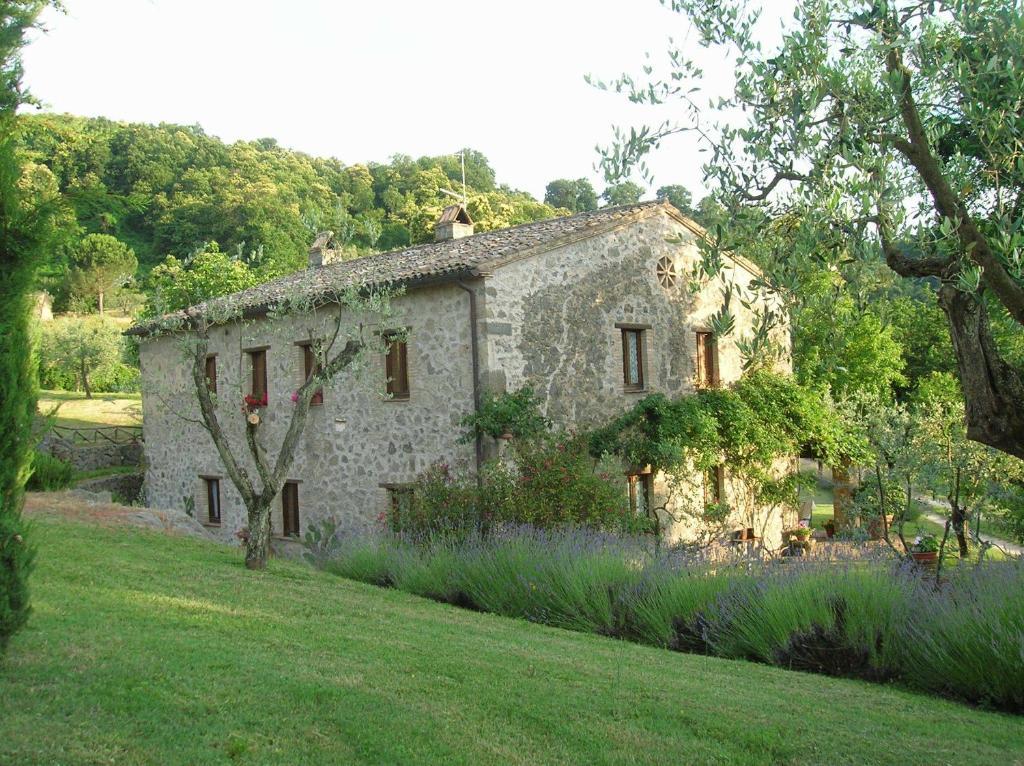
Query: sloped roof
[
  {"x": 433, "y": 262},
  {"x": 454, "y": 214}
]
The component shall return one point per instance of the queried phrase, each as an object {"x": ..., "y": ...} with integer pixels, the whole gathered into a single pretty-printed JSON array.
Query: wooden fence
[{"x": 99, "y": 435}]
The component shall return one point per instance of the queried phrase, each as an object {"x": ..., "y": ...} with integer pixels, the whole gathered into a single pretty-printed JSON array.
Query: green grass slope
[{"x": 150, "y": 649}]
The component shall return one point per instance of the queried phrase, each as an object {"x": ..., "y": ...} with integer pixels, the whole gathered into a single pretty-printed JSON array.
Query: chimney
[
  {"x": 322, "y": 251},
  {"x": 454, "y": 223}
]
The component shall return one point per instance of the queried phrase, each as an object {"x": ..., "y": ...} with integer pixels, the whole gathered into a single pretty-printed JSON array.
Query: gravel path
[{"x": 935, "y": 518}]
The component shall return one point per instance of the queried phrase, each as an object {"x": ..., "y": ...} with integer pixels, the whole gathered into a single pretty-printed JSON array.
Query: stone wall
[
  {"x": 92, "y": 457},
  {"x": 547, "y": 320},
  {"x": 126, "y": 487},
  {"x": 355, "y": 442},
  {"x": 553, "y": 321}
]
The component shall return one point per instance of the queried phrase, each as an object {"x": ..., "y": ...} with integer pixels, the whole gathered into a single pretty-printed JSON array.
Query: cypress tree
[{"x": 25, "y": 225}]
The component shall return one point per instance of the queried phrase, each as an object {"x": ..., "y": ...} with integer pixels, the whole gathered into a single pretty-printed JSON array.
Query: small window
[
  {"x": 396, "y": 366},
  {"x": 707, "y": 360},
  {"x": 714, "y": 485},
  {"x": 290, "y": 508},
  {"x": 212, "y": 500},
  {"x": 211, "y": 373},
  {"x": 666, "y": 272},
  {"x": 258, "y": 358},
  {"x": 311, "y": 364},
  {"x": 399, "y": 502},
  {"x": 640, "y": 493},
  {"x": 633, "y": 359}
]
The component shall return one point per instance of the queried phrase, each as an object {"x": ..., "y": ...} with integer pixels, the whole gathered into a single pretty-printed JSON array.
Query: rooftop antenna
[{"x": 460, "y": 197}]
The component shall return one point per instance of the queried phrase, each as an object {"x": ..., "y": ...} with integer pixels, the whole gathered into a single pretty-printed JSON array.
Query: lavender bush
[
  {"x": 866, "y": 616},
  {"x": 968, "y": 639}
]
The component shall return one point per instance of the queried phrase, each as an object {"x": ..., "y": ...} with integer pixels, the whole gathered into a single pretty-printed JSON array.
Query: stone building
[{"x": 592, "y": 310}]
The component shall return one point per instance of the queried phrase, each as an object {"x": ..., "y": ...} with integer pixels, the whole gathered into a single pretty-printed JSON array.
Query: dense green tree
[
  {"x": 885, "y": 129},
  {"x": 575, "y": 196},
  {"x": 100, "y": 264},
  {"x": 168, "y": 189},
  {"x": 625, "y": 193},
  {"x": 848, "y": 350},
  {"x": 969, "y": 475},
  {"x": 74, "y": 349},
  {"x": 26, "y": 215},
  {"x": 919, "y": 327},
  {"x": 178, "y": 284},
  {"x": 679, "y": 196}
]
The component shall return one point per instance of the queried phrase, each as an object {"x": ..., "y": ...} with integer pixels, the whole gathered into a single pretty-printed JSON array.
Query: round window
[{"x": 666, "y": 271}]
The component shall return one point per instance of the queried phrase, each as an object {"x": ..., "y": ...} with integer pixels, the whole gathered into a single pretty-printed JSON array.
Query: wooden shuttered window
[
  {"x": 309, "y": 366},
  {"x": 211, "y": 373},
  {"x": 212, "y": 500},
  {"x": 707, "y": 360},
  {"x": 640, "y": 493},
  {"x": 258, "y": 358},
  {"x": 396, "y": 366},
  {"x": 633, "y": 359},
  {"x": 290, "y": 508},
  {"x": 714, "y": 485},
  {"x": 400, "y": 503}
]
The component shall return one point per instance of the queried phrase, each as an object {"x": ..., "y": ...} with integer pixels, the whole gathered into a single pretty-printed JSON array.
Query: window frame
[
  {"x": 309, "y": 364},
  {"x": 640, "y": 332},
  {"x": 290, "y": 490},
  {"x": 397, "y": 345},
  {"x": 707, "y": 355},
  {"x": 640, "y": 484},
  {"x": 714, "y": 485},
  {"x": 211, "y": 373},
  {"x": 260, "y": 353},
  {"x": 212, "y": 486}
]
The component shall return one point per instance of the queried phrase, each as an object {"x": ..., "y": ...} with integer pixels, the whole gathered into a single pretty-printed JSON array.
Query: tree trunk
[
  {"x": 842, "y": 493},
  {"x": 959, "y": 523},
  {"x": 101, "y": 303},
  {"x": 85, "y": 378},
  {"x": 257, "y": 547},
  {"x": 993, "y": 390}
]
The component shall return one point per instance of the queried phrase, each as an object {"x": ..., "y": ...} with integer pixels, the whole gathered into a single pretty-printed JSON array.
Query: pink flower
[{"x": 295, "y": 396}]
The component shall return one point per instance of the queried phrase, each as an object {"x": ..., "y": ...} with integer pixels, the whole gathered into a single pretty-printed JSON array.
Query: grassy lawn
[
  {"x": 102, "y": 410},
  {"x": 149, "y": 649}
]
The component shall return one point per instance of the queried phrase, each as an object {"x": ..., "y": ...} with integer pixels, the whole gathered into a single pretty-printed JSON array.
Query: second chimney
[
  {"x": 454, "y": 223},
  {"x": 322, "y": 250}
]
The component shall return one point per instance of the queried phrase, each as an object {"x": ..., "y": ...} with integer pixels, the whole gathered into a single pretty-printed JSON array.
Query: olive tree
[
  {"x": 343, "y": 326},
  {"x": 877, "y": 129}
]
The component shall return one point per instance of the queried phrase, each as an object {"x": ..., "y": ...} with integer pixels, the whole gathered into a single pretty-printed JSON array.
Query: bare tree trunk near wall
[
  {"x": 842, "y": 493},
  {"x": 257, "y": 546}
]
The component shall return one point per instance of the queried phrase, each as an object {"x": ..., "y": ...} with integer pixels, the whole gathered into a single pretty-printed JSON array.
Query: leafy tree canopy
[
  {"x": 575, "y": 196},
  {"x": 101, "y": 263},
  {"x": 625, "y": 193},
  {"x": 881, "y": 132},
  {"x": 208, "y": 273},
  {"x": 169, "y": 189},
  {"x": 679, "y": 196}
]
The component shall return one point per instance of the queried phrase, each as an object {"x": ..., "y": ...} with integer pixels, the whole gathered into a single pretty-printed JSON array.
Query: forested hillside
[{"x": 172, "y": 189}]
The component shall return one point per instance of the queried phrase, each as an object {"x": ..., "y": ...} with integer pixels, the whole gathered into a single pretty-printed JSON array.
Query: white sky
[{"x": 361, "y": 81}]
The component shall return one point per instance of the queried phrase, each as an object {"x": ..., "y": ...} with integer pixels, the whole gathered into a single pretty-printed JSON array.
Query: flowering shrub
[
  {"x": 515, "y": 413},
  {"x": 254, "y": 402},
  {"x": 554, "y": 483}
]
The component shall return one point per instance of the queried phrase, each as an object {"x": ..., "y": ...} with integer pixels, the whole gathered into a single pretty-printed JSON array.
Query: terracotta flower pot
[{"x": 925, "y": 558}]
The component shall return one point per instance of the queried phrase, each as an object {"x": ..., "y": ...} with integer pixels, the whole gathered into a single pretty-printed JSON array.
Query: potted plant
[
  {"x": 925, "y": 550},
  {"x": 798, "y": 537},
  {"x": 830, "y": 528}
]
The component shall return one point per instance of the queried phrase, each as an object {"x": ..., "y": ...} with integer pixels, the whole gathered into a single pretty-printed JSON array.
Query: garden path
[{"x": 935, "y": 518}]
